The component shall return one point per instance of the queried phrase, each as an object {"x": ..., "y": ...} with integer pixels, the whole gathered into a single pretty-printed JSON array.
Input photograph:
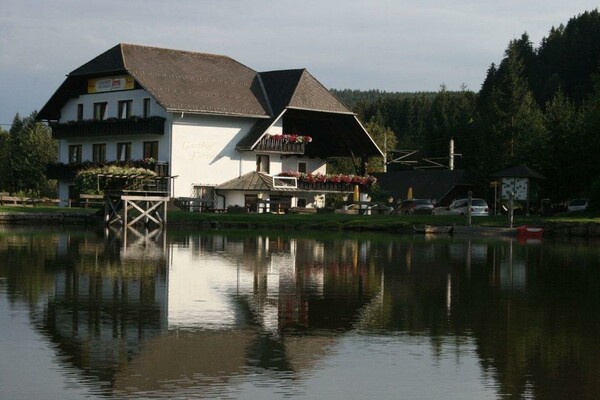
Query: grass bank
[{"x": 330, "y": 222}]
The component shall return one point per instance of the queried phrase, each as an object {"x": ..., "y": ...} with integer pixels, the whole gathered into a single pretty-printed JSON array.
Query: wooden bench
[
  {"x": 91, "y": 200},
  {"x": 18, "y": 200}
]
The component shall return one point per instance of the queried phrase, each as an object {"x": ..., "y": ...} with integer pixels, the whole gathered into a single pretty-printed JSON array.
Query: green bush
[{"x": 108, "y": 178}]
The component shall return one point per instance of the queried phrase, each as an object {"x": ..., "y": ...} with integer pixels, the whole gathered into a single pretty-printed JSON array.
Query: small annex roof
[
  {"x": 425, "y": 184},
  {"x": 256, "y": 181},
  {"x": 519, "y": 171},
  {"x": 180, "y": 81}
]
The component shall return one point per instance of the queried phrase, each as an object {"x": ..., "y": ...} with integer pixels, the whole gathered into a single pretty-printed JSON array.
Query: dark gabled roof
[
  {"x": 425, "y": 184},
  {"x": 180, "y": 81},
  {"x": 520, "y": 171},
  {"x": 111, "y": 61},
  {"x": 254, "y": 181},
  {"x": 183, "y": 81},
  {"x": 297, "y": 88}
]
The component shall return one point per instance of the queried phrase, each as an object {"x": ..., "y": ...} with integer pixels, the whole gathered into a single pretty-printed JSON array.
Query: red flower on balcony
[
  {"x": 322, "y": 178},
  {"x": 290, "y": 138}
]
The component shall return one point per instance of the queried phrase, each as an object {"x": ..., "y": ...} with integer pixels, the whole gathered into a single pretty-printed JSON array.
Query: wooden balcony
[
  {"x": 324, "y": 187},
  {"x": 270, "y": 145},
  {"x": 109, "y": 127}
]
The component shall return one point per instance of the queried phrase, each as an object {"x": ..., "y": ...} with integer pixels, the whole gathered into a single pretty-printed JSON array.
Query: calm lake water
[{"x": 87, "y": 314}]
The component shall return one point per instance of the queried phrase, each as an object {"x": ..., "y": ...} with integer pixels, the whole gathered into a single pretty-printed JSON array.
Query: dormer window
[
  {"x": 100, "y": 111},
  {"x": 125, "y": 109}
]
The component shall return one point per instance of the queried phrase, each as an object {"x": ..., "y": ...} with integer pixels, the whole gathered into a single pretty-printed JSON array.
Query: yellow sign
[{"x": 111, "y": 84}]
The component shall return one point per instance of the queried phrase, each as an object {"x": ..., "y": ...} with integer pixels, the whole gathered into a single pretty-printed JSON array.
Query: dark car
[{"x": 415, "y": 206}]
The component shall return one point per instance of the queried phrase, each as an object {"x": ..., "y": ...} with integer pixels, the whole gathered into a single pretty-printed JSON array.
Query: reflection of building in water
[
  {"x": 277, "y": 283},
  {"x": 105, "y": 305},
  {"x": 133, "y": 312}
]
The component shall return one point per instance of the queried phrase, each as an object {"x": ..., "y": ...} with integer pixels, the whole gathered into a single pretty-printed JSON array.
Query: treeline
[
  {"x": 538, "y": 106},
  {"x": 25, "y": 150}
]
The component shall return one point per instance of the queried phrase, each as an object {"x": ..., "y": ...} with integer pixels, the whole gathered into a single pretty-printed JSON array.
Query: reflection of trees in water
[
  {"x": 99, "y": 303},
  {"x": 532, "y": 309}
]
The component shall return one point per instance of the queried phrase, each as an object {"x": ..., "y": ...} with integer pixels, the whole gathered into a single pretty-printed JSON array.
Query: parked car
[
  {"x": 578, "y": 205},
  {"x": 479, "y": 208},
  {"x": 415, "y": 206}
]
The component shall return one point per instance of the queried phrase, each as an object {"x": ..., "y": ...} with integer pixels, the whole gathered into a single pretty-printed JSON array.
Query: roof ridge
[{"x": 178, "y": 51}]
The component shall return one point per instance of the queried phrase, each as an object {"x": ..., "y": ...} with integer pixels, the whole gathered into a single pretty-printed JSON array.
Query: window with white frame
[
  {"x": 100, "y": 111},
  {"x": 146, "y": 108},
  {"x": 99, "y": 152},
  {"x": 151, "y": 150},
  {"x": 124, "y": 151},
  {"x": 125, "y": 109},
  {"x": 262, "y": 163},
  {"x": 75, "y": 153},
  {"x": 302, "y": 167}
]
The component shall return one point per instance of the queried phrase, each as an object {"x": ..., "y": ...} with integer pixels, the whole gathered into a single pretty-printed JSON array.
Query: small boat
[
  {"x": 433, "y": 228},
  {"x": 530, "y": 231}
]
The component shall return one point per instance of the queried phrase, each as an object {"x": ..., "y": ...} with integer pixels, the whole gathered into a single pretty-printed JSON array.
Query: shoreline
[{"x": 250, "y": 221}]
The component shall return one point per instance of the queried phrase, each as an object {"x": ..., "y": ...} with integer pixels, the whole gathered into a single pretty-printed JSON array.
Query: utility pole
[
  {"x": 385, "y": 152},
  {"x": 451, "y": 164}
]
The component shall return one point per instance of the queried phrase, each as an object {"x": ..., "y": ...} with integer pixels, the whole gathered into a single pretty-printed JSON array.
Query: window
[
  {"x": 262, "y": 163},
  {"x": 151, "y": 150},
  {"x": 100, "y": 111},
  {"x": 75, "y": 153},
  {"x": 146, "y": 111},
  {"x": 124, "y": 151},
  {"x": 99, "y": 152},
  {"x": 79, "y": 112},
  {"x": 125, "y": 109},
  {"x": 302, "y": 167},
  {"x": 251, "y": 202}
]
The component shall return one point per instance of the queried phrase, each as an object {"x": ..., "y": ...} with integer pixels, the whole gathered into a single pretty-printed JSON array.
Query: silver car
[
  {"x": 479, "y": 207},
  {"x": 578, "y": 205}
]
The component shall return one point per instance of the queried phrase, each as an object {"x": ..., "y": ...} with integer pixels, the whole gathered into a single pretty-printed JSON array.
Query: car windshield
[
  {"x": 423, "y": 202},
  {"x": 478, "y": 203}
]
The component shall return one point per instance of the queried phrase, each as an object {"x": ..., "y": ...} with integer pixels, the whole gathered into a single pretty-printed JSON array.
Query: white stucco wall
[
  {"x": 313, "y": 165},
  {"x": 204, "y": 150},
  {"x": 69, "y": 111}
]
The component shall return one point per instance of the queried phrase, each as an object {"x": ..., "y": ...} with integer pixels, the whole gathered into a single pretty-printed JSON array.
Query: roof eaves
[
  {"x": 265, "y": 131},
  {"x": 318, "y": 110},
  {"x": 220, "y": 113},
  {"x": 367, "y": 133}
]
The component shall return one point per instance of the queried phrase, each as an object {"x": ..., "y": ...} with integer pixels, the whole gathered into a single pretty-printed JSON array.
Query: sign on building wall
[
  {"x": 110, "y": 84},
  {"x": 519, "y": 186}
]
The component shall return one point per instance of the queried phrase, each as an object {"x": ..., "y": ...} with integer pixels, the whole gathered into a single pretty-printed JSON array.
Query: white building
[{"x": 219, "y": 127}]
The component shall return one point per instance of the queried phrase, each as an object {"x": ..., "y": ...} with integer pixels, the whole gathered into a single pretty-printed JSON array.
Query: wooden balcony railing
[
  {"x": 280, "y": 146},
  {"x": 109, "y": 127}
]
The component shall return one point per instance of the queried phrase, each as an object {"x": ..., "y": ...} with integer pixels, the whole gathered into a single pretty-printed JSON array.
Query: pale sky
[{"x": 391, "y": 45}]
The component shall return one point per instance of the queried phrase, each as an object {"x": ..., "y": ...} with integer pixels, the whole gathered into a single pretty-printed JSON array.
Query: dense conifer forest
[{"x": 539, "y": 106}]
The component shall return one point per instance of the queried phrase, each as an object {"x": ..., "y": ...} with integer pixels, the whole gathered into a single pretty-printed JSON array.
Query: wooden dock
[{"x": 130, "y": 208}]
